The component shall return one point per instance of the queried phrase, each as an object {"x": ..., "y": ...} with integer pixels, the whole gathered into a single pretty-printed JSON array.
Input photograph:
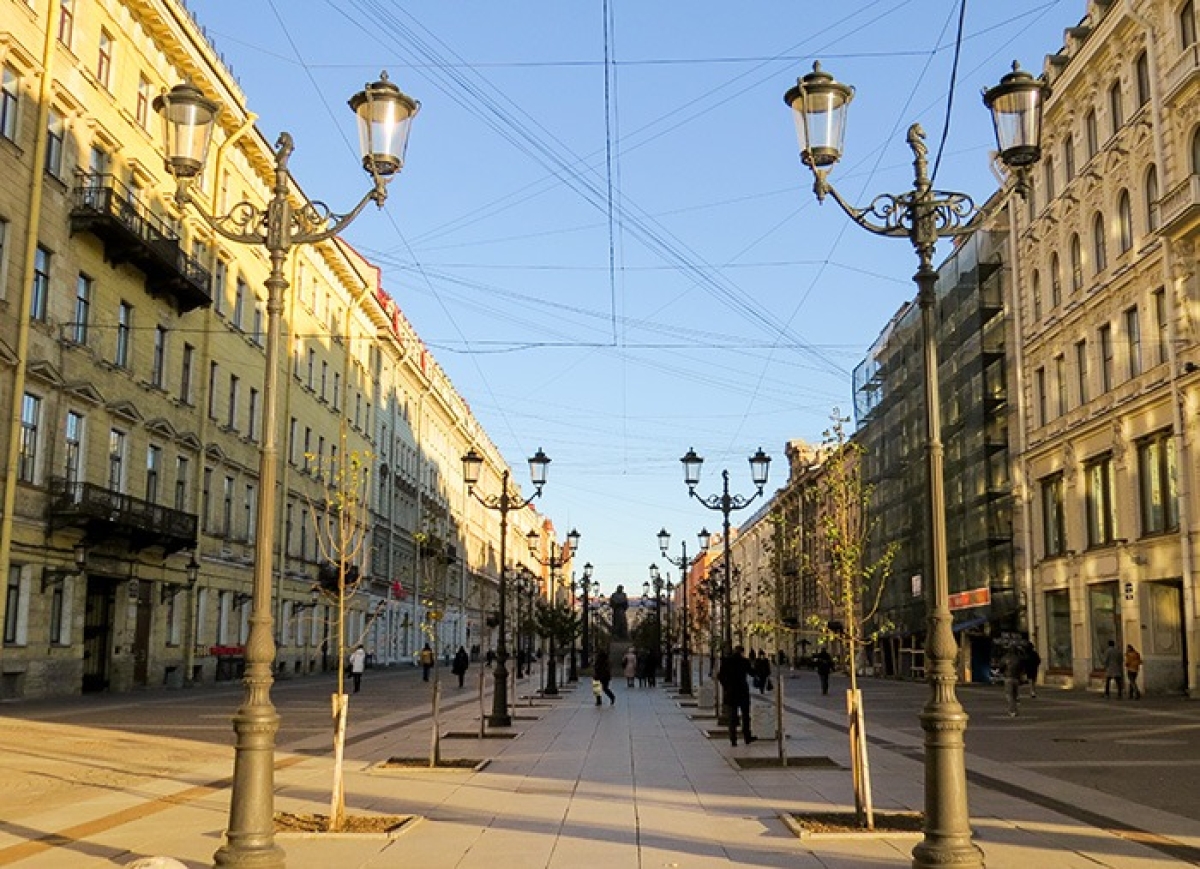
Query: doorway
[{"x": 97, "y": 632}]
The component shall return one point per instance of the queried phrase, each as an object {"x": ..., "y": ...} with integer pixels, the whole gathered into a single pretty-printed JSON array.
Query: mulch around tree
[
  {"x": 289, "y": 822},
  {"x": 417, "y": 763},
  {"x": 801, "y": 762},
  {"x": 845, "y": 823}
]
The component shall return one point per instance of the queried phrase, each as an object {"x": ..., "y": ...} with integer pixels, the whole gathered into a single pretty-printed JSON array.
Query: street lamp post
[
  {"x": 668, "y": 633},
  {"x": 656, "y": 585},
  {"x": 472, "y": 464},
  {"x": 760, "y": 464},
  {"x": 559, "y": 555},
  {"x": 573, "y": 672},
  {"x": 923, "y": 215},
  {"x": 385, "y": 115},
  {"x": 588, "y": 589},
  {"x": 685, "y": 664}
]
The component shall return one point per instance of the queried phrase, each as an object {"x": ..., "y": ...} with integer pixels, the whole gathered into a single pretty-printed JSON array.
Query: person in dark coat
[
  {"x": 762, "y": 672},
  {"x": 735, "y": 692},
  {"x": 824, "y": 664},
  {"x": 459, "y": 667},
  {"x": 602, "y": 673},
  {"x": 1033, "y": 663}
]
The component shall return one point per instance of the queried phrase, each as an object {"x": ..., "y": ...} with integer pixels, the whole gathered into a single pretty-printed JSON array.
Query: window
[
  {"x": 56, "y": 133},
  {"x": 256, "y": 333},
  {"x": 304, "y": 534},
  {"x": 124, "y": 333},
  {"x": 1039, "y": 382},
  {"x": 27, "y": 458},
  {"x": 1076, "y": 263},
  {"x": 1055, "y": 281},
  {"x": 220, "y": 273},
  {"x": 16, "y": 605},
  {"x": 66, "y": 21},
  {"x": 83, "y": 309},
  {"x": 1101, "y": 503},
  {"x": 10, "y": 102},
  {"x": 1069, "y": 157},
  {"x": 1048, "y": 177},
  {"x": 1099, "y": 250},
  {"x": 153, "y": 472},
  {"x": 1187, "y": 24},
  {"x": 3, "y": 257},
  {"x": 1161, "y": 323},
  {"x": 1060, "y": 384},
  {"x": 1106, "y": 358},
  {"x": 234, "y": 388},
  {"x": 182, "y": 471},
  {"x": 141, "y": 109},
  {"x": 291, "y": 441},
  {"x": 159, "y": 361},
  {"x": 1152, "y": 198},
  {"x": 252, "y": 417},
  {"x": 1081, "y": 371},
  {"x": 1091, "y": 132},
  {"x": 1158, "y": 484},
  {"x": 227, "y": 507},
  {"x": 1125, "y": 221},
  {"x": 248, "y": 511},
  {"x": 214, "y": 372},
  {"x": 239, "y": 303},
  {"x": 187, "y": 362},
  {"x": 116, "y": 460},
  {"x": 206, "y": 499},
  {"x": 1141, "y": 72},
  {"x": 1116, "y": 111},
  {"x": 308, "y": 456},
  {"x": 1196, "y": 152},
  {"x": 59, "y": 628},
  {"x": 40, "y": 291},
  {"x": 337, "y": 390},
  {"x": 1133, "y": 339},
  {"x": 324, "y": 377},
  {"x": 104, "y": 59},
  {"x": 73, "y": 452},
  {"x": 312, "y": 365},
  {"x": 1054, "y": 526},
  {"x": 1036, "y": 292}
]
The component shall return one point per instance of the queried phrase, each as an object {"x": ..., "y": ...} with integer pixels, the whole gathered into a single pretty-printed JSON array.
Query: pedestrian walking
[
  {"x": 630, "y": 663},
  {"x": 358, "y": 663},
  {"x": 735, "y": 692},
  {"x": 1114, "y": 669},
  {"x": 1133, "y": 666},
  {"x": 602, "y": 674},
  {"x": 461, "y": 661},
  {"x": 425, "y": 659},
  {"x": 762, "y": 672},
  {"x": 1033, "y": 662},
  {"x": 490, "y": 658},
  {"x": 1012, "y": 666},
  {"x": 824, "y": 664}
]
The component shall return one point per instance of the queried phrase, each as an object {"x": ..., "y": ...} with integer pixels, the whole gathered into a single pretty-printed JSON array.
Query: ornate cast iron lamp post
[
  {"x": 924, "y": 215},
  {"x": 656, "y": 585},
  {"x": 685, "y": 664},
  {"x": 384, "y": 117},
  {"x": 559, "y": 555},
  {"x": 588, "y": 589},
  {"x": 472, "y": 464}
]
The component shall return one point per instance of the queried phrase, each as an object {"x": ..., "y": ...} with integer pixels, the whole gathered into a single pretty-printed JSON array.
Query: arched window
[
  {"x": 1196, "y": 152},
  {"x": 1152, "y": 198},
  {"x": 1076, "y": 263},
  {"x": 1048, "y": 178},
  {"x": 1116, "y": 108},
  {"x": 1187, "y": 24},
  {"x": 1091, "y": 130},
  {"x": 1125, "y": 220},
  {"x": 1098, "y": 247},
  {"x": 1036, "y": 292},
  {"x": 1055, "y": 281},
  {"x": 1141, "y": 71},
  {"x": 1069, "y": 157}
]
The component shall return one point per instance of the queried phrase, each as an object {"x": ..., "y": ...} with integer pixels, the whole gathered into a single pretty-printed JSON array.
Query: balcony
[
  {"x": 1184, "y": 70},
  {"x": 104, "y": 207},
  {"x": 105, "y": 514},
  {"x": 1180, "y": 208}
]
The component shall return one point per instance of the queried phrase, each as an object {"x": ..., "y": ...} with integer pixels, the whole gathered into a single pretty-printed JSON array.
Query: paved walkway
[{"x": 638, "y": 784}]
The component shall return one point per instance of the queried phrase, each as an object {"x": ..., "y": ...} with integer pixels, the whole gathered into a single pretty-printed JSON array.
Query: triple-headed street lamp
[
  {"x": 923, "y": 215},
  {"x": 472, "y": 464},
  {"x": 760, "y": 465},
  {"x": 385, "y": 115},
  {"x": 558, "y": 556},
  {"x": 685, "y": 664},
  {"x": 588, "y": 590}
]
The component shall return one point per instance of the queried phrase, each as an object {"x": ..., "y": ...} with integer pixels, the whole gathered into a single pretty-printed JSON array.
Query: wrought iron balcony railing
[{"x": 106, "y": 514}]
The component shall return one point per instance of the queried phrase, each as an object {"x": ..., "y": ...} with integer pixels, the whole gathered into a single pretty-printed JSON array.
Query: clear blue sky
[{"x": 714, "y": 305}]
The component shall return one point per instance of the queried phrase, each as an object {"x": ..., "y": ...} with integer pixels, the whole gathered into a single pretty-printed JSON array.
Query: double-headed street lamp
[
  {"x": 472, "y": 464},
  {"x": 685, "y": 664},
  {"x": 588, "y": 589},
  {"x": 760, "y": 465},
  {"x": 559, "y": 555},
  {"x": 923, "y": 215},
  {"x": 529, "y": 588},
  {"x": 385, "y": 115}
]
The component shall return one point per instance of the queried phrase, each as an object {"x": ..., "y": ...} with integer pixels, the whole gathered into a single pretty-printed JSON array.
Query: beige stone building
[
  {"x": 132, "y": 360},
  {"x": 1106, "y": 302}
]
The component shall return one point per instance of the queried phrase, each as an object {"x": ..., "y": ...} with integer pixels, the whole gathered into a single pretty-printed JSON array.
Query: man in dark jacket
[{"x": 736, "y": 692}]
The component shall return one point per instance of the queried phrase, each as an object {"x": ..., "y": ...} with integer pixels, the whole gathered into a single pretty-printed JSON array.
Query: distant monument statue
[{"x": 619, "y": 603}]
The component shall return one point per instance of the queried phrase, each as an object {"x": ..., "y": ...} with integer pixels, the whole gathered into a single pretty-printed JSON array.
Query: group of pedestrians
[
  {"x": 640, "y": 666},
  {"x": 1118, "y": 668}
]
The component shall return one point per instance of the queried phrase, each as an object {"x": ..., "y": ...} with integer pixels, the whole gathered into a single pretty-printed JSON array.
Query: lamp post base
[{"x": 495, "y": 720}]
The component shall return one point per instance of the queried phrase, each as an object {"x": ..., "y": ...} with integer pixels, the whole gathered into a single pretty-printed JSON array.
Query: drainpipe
[
  {"x": 1178, "y": 399},
  {"x": 21, "y": 308}
]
